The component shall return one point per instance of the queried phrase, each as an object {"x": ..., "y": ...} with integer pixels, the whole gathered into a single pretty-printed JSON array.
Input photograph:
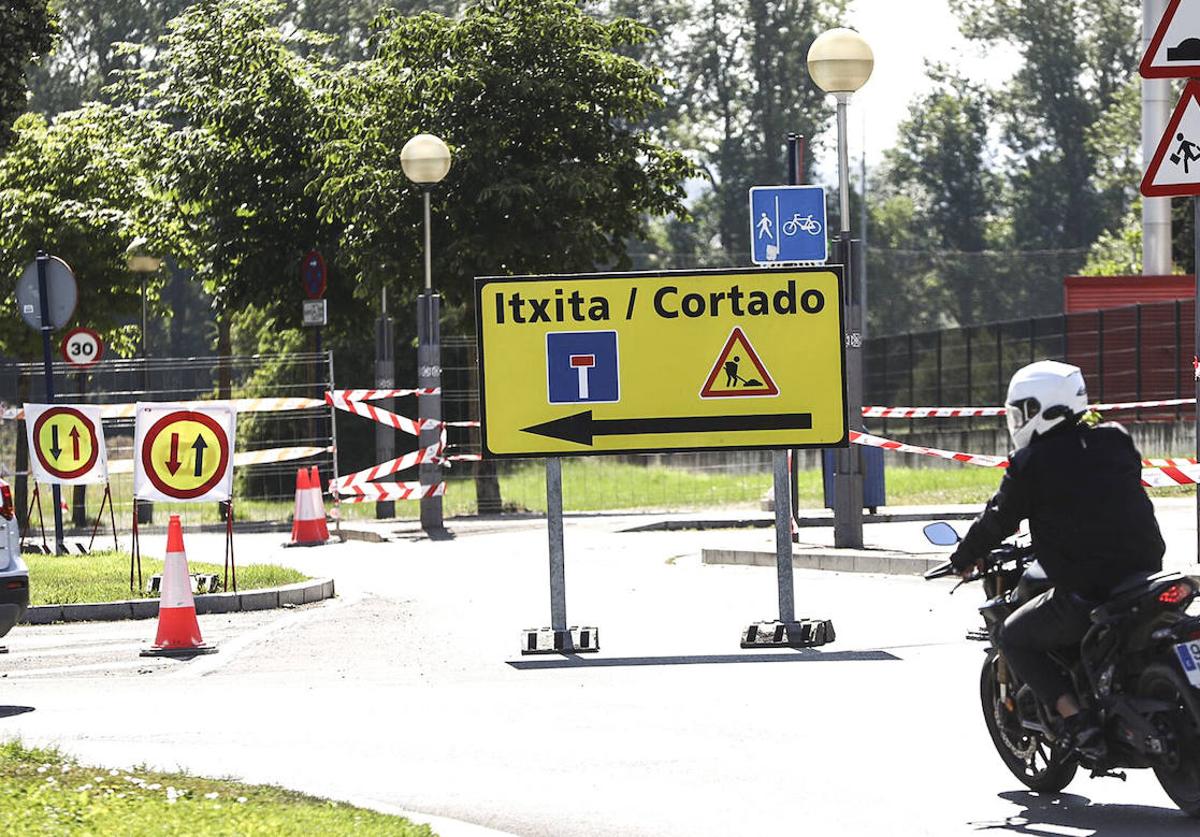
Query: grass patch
[
  {"x": 43, "y": 792},
  {"x": 104, "y": 577}
]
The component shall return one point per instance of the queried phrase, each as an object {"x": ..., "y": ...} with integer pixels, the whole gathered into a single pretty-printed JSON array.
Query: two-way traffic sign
[
  {"x": 183, "y": 454},
  {"x": 67, "y": 444}
]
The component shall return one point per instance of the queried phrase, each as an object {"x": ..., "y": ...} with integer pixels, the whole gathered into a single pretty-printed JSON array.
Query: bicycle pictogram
[{"x": 798, "y": 223}]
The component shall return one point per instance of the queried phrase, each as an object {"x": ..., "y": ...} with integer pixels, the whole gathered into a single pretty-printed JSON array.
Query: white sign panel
[
  {"x": 183, "y": 454},
  {"x": 66, "y": 444}
]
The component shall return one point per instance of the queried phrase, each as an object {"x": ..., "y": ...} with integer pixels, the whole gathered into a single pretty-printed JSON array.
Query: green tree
[
  {"x": 1078, "y": 56},
  {"x": 552, "y": 170},
  {"x": 941, "y": 161},
  {"x": 26, "y": 32},
  {"x": 83, "y": 188},
  {"x": 240, "y": 108}
]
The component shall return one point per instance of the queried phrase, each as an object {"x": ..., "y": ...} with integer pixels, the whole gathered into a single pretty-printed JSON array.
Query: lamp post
[
  {"x": 840, "y": 62},
  {"x": 144, "y": 267},
  {"x": 426, "y": 160}
]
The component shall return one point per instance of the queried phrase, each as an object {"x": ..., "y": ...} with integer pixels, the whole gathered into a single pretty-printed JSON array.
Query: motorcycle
[{"x": 1137, "y": 670}]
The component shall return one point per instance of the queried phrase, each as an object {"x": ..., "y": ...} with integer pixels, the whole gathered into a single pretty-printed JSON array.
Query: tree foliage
[
  {"x": 26, "y": 32},
  {"x": 552, "y": 170}
]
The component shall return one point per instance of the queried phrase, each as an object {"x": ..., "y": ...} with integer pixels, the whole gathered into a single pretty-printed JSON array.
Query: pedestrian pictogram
[
  {"x": 582, "y": 367},
  {"x": 184, "y": 455},
  {"x": 67, "y": 444},
  {"x": 1174, "y": 170},
  {"x": 739, "y": 372},
  {"x": 1174, "y": 49}
]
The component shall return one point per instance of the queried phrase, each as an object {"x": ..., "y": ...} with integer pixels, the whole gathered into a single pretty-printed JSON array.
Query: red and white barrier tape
[
  {"x": 889, "y": 444},
  {"x": 381, "y": 415},
  {"x": 1156, "y": 473},
  {"x": 376, "y": 394},
  {"x": 371, "y": 491},
  {"x": 976, "y": 412},
  {"x": 429, "y": 455}
]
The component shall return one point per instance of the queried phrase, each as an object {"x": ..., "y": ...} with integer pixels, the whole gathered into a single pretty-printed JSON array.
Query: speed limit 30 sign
[{"x": 82, "y": 347}]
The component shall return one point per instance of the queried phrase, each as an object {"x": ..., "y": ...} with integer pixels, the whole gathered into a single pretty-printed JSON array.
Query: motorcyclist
[{"x": 1090, "y": 520}]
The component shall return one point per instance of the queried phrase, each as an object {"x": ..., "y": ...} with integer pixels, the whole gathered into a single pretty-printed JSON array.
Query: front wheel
[
  {"x": 1028, "y": 756},
  {"x": 1179, "y": 770}
]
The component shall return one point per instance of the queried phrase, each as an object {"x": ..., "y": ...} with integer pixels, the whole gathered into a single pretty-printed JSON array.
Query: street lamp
[
  {"x": 840, "y": 62},
  {"x": 144, "y": 267},
  {"x": 426, "y": 160}
]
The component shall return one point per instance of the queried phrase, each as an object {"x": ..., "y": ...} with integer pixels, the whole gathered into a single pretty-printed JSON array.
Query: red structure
[{"x": 1132, "y": 336}]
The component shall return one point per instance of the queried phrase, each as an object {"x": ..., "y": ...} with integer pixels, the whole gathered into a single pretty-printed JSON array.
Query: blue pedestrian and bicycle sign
[
  {"x": 787, "y": 224},
  {"x": 582, "y": 367}
]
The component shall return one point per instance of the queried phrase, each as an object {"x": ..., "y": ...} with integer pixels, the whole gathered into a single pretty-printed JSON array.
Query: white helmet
[{"x": 1041, "y": 396}]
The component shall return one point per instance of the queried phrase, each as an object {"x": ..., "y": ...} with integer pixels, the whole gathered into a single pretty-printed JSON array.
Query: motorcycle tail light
[
  {"x": 1176, "y": 593},
  {"x": 6, "y": 501}
]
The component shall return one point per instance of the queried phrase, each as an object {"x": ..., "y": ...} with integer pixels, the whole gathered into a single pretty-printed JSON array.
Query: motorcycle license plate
[{"x": 1189, "y": 658}]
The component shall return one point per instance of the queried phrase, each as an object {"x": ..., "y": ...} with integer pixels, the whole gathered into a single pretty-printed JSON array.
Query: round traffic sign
[
  {"x": 61, "y": 293},
  {"x": 64, "y": 442},
  {"x": 185, "y": 454},
  {"x": 313, "y": 274},
  {"x": 82, "y": 347}
]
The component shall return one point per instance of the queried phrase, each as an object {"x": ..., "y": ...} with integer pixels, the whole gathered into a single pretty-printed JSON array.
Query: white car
[{"x": 14, "y": 575}]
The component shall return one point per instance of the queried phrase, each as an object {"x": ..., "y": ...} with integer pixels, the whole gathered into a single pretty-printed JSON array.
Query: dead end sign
[
  {"x": 183, "y": 455},
  {"x": 687, "y": 360}
]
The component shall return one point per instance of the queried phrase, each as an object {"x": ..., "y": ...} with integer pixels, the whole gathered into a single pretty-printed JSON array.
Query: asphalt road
[{"x": 409, "y": 691}]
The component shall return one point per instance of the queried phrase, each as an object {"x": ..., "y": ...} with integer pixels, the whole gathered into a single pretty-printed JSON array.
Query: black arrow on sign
[
  {"x": 581, "y": 427},
  {"x": 55, "y": 450},
  {"x": 198, "y": 446}
]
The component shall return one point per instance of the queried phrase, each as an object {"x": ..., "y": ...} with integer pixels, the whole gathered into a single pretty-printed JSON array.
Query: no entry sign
[
  {"x": 182, "y": 454},
  {"x": 67, "y": 444}
]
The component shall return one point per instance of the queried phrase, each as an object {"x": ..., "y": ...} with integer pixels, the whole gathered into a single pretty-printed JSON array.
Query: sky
[{"x": 904, "y": 34}]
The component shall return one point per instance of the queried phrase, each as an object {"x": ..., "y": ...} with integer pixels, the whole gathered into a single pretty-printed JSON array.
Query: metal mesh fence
[{"x": 263, "y": 493}]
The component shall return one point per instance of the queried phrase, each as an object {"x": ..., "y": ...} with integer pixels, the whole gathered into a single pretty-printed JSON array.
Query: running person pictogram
[{"x": 1188, "y": 152}]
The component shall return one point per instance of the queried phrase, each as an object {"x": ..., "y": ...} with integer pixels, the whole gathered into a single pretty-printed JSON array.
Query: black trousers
[{"x": 1046, "y": 622}]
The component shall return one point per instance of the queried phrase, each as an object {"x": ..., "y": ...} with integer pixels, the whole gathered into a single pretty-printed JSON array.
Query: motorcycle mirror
[{"x": 941, "y": 534}]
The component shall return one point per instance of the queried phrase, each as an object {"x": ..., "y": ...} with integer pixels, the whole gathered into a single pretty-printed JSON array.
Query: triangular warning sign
[
  {"x": 738, "y": 372},
  {"x": 1175, "y": 168},
  {"x": 1174, "y": 51}
]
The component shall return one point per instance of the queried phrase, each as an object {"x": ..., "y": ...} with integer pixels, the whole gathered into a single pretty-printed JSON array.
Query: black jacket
[{"x": 1090, "y": 519}]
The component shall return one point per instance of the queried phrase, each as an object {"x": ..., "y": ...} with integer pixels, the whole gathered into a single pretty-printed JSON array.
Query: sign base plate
[
  {"x": 574, "y": 640},
  {"x": 805, "y": 633}
]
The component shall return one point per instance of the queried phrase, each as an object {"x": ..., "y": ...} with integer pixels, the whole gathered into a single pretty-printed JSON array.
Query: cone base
[{"x": 177, "y": 652}]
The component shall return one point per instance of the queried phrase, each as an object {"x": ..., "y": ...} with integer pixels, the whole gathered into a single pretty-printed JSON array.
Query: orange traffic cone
[
  {"x": 178, "y": 631},
  {"x": 308, "y": 523},
  {"x": 319, "y": 500}
]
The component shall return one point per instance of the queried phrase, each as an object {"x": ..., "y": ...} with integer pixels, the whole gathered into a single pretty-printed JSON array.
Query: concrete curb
[
  {"x": 289, "y": 595},
  {"x": 804, "y": 522},
  {"x": 837, "y": 560}
]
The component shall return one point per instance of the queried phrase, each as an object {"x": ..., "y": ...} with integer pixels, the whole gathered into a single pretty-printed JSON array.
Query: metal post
[
  {"x": 848, "y": 482},
  {"x": 1156, "y": 110},
  {"x": 1196, "y": 339},
  {"x": 337, "y": 522},
  {"x": 1179, "y": 367},
  {"x": 554, "y": 528},
  {"x": 783, "y": 539},
  {"x": 144, "y": 509},
  {"x": 429, "y": 375},
  {"x": 1100, "y": 348},
  {"x": 1138, "y": 360},
  {"x": 48, "y": 369},
  {"x": 429, "y": 407},
  {"x": 385, "y": 378}
]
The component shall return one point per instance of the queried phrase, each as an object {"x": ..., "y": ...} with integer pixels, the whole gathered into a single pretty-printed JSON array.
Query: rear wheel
[
  {"x": 1179, "y": 770},
  {"x": 1028, "y": 756}
]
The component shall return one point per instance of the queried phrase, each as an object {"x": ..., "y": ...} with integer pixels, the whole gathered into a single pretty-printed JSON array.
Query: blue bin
[{"x": 874, "y": 493}]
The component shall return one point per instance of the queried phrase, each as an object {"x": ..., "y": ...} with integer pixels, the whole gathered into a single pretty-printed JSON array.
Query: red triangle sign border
[
  {"x": 1190, "y": 93},
  {"x": 768, "y": 388},
  {"x": 1147, "y": 69}
]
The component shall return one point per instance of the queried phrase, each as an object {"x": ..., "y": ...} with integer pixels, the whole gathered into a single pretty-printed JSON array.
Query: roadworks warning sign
[{"x": 687, "y": 360}]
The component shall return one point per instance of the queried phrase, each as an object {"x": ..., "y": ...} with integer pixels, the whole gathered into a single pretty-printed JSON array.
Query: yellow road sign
[
  {"x": 65, "y": 443},
  {"x": 185, "y": 454},
  {"x": 620, "y": 363}
]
